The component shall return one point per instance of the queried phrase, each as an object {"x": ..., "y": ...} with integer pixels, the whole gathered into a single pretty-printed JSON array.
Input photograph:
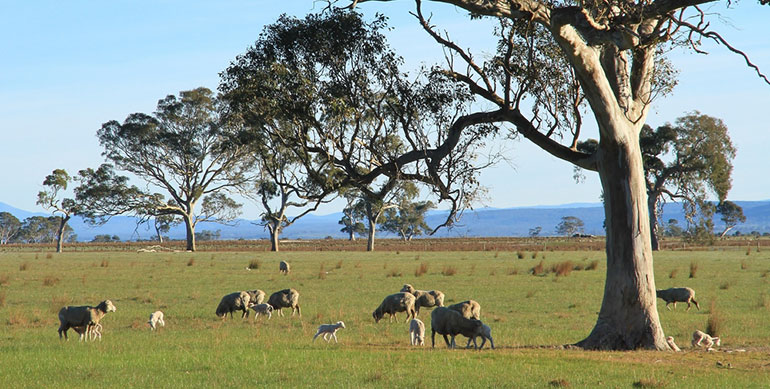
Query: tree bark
[
  {"x": 60, "y": 233},
  {"x": 190, "y": 229},
  {"x": 370, "y": 238},
  {"x": 652, "y": 204},
  {"x": 628, "y": 318},
  {"x": 274, "y": 232}
]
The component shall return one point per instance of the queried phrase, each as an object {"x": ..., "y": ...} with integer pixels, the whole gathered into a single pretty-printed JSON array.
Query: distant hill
[{"x": 491, "y": 222}]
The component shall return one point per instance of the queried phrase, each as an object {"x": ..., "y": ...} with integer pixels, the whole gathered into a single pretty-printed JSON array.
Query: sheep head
[
  {"x": 407, "y": 288},
  {"x": 377, "y": 315}
]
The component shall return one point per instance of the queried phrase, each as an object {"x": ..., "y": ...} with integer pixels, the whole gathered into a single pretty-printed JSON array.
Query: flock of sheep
[{"x": 458, "y": 319}]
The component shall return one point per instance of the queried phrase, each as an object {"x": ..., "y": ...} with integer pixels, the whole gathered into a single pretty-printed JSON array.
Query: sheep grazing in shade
[
  {"x": 237, "y": 301},
  {"x": 470, "y": 309},
  {"x": 329, "y": 329},
  {"x": 674, "y": 295},
  {"x": 424, "y": 298},
  {"x": 447, "y": 321},
  {"x": 287, "y": 298},
  {"x": 265, "y": 309},
  {"x": 84, "y": 316},
  {"x": 709, "y": 341},
  {"x": 284, "y": 267},
  {"x": 670, "y": 342},
  {"x": 397, "y": 302},
  {"x": 417, "y": 332},
  {"x": 155, "y": 319}
]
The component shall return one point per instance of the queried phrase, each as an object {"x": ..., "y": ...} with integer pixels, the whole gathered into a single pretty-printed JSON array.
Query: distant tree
[
  {"x": 105, "y": 238},
  {"x": 673, "y": 229},
  {"x": 683, "y": 162},
  {"x": 50, "y": 198},
  {"x": 569, "y": 226},
  {"x": 9, "y": 227},
  {"x": 207, "y": 235},
  {"x": 408, "y": 219},
  {"x": 732, "y": 215},
  {"x": 39, "y": 229},
  {"x": 163, "y": 224},
  {"x": 352, "y": 216},
  {"x": 186, "y": 149},
  {"x": 535, "y": 232}
]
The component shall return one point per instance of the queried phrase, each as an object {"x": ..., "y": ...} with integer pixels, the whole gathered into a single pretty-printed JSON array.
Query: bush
[
  {"x": 50, "y": 281},
  {"x": 715, "y": 322},
  {"x": 255, "y": 264},
  {"x": 24, "y": 266},
  {"x": 693, "y": 269},
  {"x": 393, "y": 273},
  {"x": 593, "y": 265},
  {"x": 191, "y": 262},
  {"x": 538, "y": 269},
  {"x": 673, "y": 273},
  {"x": 422, "y": 269},
  {"x": 449, "y": 270},
  {"x": 563, "y": 269}
]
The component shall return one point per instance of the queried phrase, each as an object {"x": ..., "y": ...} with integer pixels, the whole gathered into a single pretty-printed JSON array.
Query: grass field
[{"x": 530, "y": 316}]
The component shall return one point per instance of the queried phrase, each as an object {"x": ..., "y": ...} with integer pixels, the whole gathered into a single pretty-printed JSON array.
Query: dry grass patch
[
  {"x": 50, "y": 281},
  {"x": 563, "y": 269},
  {"x": 4, "y": 279},
  {"x": 2, "y": 298},
  {"x": 559, "y": 383},
  {"x": 649, "y": 383},
  {"x": 693, "y": 269},
  {"x": 593, "y": 265},
  {"x": 255, "y": 264},
  {"x": 24, "y": 266},
  {"x": 421, "y": 270},
  {"x": 191, "y": 262},
  {"x": 538, "y": 270},
  {"x": 394, "y": 273},
  {"x": 449, "y": 270},
  {"x": 105, "y": 263},
  {"x": 673, "y": 273},
  {"x": 716, "y": 321}
]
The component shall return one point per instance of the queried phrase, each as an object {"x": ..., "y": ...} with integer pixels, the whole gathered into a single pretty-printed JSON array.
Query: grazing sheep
[
  {"x": 417, "y": 332},
  {"x": 674, "y": 295},
  {"x": 670, "y": 341},
  {"x": 287, "y": 298},
  {"x": 96, "y": 331},
  {"x": 84, "y": 316},
  {"x": 470, "y": 309},
  {"x": 329, "y": 329},
  {"x": 155, "y": 319},
  {"x": 447, "y": 321},
  {"x": 237, "y": 301},
  {"x": 265, "y": 309},
  {"x": 486, "y": 333},
  {"x": 397, "y": 302},
  {"x": 256, "y": 296},
  {"x": 284, "y": 267},
  {"x": 700, "y": 336},
  {"x": 424, "y": 298}
]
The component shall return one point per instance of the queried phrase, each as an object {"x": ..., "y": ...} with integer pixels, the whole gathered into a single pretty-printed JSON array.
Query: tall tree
[
  {"x": 555, "y": 56},
  {"x": 732, "y": 215},
  {"x": 9, "y": 227},
  {"x": 352, "y": 216},
  {"x": 329, "y": 88},
  {"x": 685, "y": 162},
  {"x": 186, "y": 150},
  {"x": 163, "y": 224}
]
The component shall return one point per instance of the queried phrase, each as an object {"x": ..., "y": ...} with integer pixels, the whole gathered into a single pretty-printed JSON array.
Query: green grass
[{"x": 530, "y": 317}]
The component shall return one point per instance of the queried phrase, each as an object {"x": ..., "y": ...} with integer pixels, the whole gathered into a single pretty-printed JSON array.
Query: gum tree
[
  {"x": 555, "y": 60},
  {"x": 186, "y": 150}
]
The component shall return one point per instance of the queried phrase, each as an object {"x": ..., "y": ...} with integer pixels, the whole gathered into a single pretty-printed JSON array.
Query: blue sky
[{"x": 68, "y": 67}]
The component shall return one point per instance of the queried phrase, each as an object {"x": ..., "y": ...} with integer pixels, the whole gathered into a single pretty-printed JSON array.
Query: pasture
[{"x": 531, "y": 316}]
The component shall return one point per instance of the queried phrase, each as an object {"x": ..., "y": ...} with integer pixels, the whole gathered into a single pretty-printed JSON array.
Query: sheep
[
  {"x": 256, "y": 296},
  {"x": 397, "y": 302},
  {"x": 83, "y": 316},
  {"x": 447, "y": 321},
  {"x": 284, "y": 267},
  {"x": 424, "y": 298},
  {"x": 470, "y": 309},
  {"x": 674, "y": 295},
  {"x": 237, "y": 301},
  {"x": 670, "y": 342},
  {"x": 96, "y": 331},
  {"x": 417, "y": 332},
  {"x": 265, "y": 309},
  {"x": 699, "y": 336},
  {"x": 329, "y": 329},
  {"x": 155, "y": 319},
  {"x": 486, "y": 333},
  {"x": 287, "y": 298}
]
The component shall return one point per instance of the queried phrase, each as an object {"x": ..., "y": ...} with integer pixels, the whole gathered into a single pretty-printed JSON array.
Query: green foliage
[
  {"x": 408, "y": 219},
  {"x": 569, "y": 226},
  {"x": 9, "y": 227},
  {"x": 732, "y": 214}
]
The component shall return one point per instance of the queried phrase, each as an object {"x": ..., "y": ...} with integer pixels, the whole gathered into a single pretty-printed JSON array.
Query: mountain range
[{"x": 483, "y": 222}]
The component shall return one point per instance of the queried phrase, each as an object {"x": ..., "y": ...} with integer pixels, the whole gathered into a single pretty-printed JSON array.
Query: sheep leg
[
  {"x": 316, "y": 335},
  {"x": 433, "y": 338},
  {"x": 696, "y": 304},
  {"x": 667, "y": 307},
  {"x": 334, "y": 334},
  {"x": 446, "y": 340},
  {"x": 688, "y": 307}
]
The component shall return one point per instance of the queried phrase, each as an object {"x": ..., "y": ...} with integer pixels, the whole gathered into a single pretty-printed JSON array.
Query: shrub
[
  {"x": 322, "y": 273},
  {"x": 534, "y": 255},
  {"x": 449, "y": 270},
  {"x": 725, "y": 285},
  {"x": 422, "y": 269},
  {"x": 593, "y": 265},
  {"x": 4, "y": 279},
  {"x": 673, "y": 273},
  {"x": 513, "y": 271},
  {"x": 50, "y": 281},
  {"x": 519, "y": 255},
  {"x": 560, "y": 383},
  {"x": 105, "y": 263},
  {"x": 24, "y": 266},
  {"x": 563, "y": 269},
  {"x": 191, "y": 262},
  {"x": 693, "y": 269},
  {"x": 715, "y": 322},
  {"x": 649, "y": 383},
  {"x": 338, "y": 265},
  {"x": 48, "y": 256},
  {"x": 538, "y": 269},
  {"x": 393, "y": 273},
  {"x": 255, "y": 264},
  {"x": 744, "y": 265}
]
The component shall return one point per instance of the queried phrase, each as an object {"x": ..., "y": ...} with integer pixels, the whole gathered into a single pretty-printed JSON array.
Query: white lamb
[
  {"x": 417, "y": 332},
  {"x": 155, "y": 319},
  {"x": 94, "y": 333},
  {"x": 265, "y": 309},
  {"x": 699, "y": 336},
  {"x": 670, "y": 341},
  {"x": 329, "y": 329}
]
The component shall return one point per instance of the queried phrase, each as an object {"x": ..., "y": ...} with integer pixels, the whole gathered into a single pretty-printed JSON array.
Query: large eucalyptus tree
[{"x": 552, "y": 58}]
